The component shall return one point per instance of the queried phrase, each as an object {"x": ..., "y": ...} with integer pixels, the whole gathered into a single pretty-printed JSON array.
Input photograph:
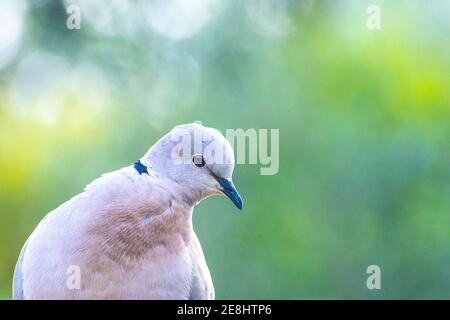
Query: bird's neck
[{"x": 191, "y": 196}]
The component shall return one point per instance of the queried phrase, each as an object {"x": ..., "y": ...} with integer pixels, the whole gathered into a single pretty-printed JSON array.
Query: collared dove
[{"x": 129, "y": 235}]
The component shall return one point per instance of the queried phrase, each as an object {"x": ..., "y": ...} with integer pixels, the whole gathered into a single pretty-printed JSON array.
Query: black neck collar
[{"x": 140, "y": 167}]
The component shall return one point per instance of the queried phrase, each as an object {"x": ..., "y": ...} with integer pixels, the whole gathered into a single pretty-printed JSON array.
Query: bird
[{"x": 129, "y": 234}]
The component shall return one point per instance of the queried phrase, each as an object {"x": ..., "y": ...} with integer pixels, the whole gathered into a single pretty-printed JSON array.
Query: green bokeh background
[{"x": 363, "y": 118}]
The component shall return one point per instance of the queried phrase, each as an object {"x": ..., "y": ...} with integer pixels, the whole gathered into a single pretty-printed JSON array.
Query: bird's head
[{"x": 199, "y": 159}]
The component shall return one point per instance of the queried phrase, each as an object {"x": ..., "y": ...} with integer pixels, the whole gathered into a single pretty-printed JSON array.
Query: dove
[{"x": 129, "y": 234}]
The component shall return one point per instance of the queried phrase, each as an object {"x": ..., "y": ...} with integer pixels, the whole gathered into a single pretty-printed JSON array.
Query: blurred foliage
[{"x": 363, "y": 118}]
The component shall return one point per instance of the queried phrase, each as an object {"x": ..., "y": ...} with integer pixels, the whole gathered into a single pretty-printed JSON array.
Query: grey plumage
[
  {"x": 18, "y": 276},
  {"x": 130, "y": 232}
]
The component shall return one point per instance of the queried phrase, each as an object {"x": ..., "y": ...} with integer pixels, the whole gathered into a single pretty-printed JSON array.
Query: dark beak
[{"x": 228, "y": 188}]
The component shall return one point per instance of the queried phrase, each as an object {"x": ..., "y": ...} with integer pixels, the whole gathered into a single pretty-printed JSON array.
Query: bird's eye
[{"x": 198, "y": 160}]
